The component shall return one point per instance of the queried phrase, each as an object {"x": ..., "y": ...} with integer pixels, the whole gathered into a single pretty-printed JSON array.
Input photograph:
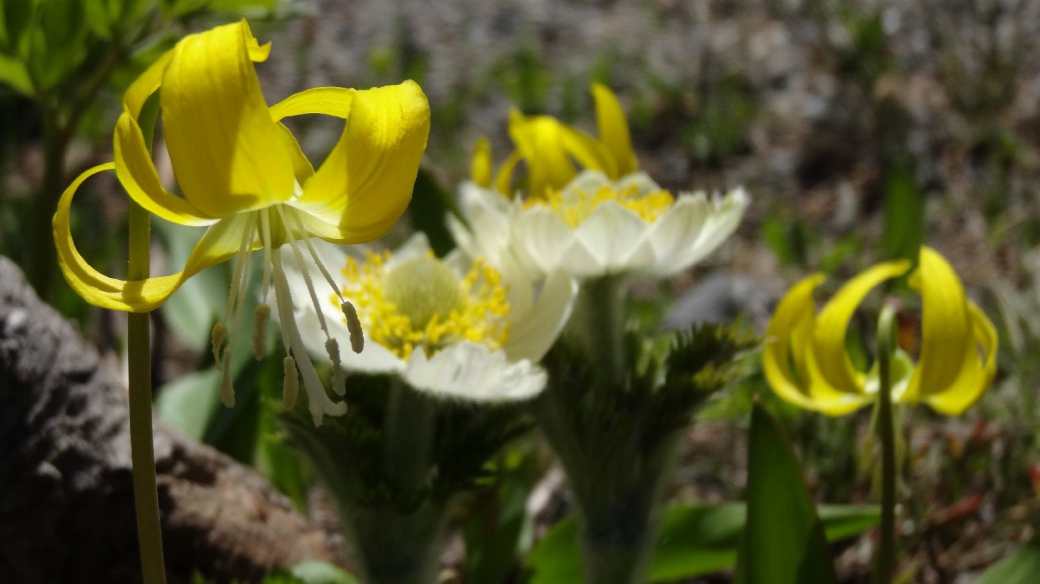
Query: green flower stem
[
  {"x": 618, "y": 482},
  {"x": 617, "y": 535},
  {"x": 142, "y": 455},
  {"x": 409, "y": 436},
  {"x": 886, "y": 557},
  {"x": 599, "y": 318},
  {"x": 394, "y": 547}
]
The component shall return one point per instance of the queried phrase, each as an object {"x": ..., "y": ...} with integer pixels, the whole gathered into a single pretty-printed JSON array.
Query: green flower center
[{"x": 422, "y": 288}]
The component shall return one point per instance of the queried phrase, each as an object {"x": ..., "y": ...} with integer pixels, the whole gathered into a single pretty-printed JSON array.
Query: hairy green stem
[
  {"x": 886, "y": 556},
  {"x": 396, "y": 546},
  {"x": 409, "y": 430},
  {"x": 600, "y": 318}
]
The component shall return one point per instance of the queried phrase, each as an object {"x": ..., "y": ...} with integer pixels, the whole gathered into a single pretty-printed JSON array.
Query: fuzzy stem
[
  {"x": 885, "y": 561},
  {"x": 600, "y": 318},
  {"x": 617, "y": 538},
  {"x": 398, "y": 547},
  {"x": 409, "y": 430}
]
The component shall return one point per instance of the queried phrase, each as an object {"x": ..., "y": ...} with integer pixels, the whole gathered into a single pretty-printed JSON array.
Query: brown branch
[{"x": 66, "y": 505}]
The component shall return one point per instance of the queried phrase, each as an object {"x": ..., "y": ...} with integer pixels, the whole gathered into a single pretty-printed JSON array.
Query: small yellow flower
[
  {"x": 548, "y": 146},
  {"x": 242, "y": 174},
  {"x": 957, "y": 359}
]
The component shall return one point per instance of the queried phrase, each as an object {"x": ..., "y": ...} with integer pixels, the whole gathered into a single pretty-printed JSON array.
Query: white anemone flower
[
  {"x": 451, "y": 327},
  {"x": 595, "y": 226},
  {"x": 610, "y": 219}
]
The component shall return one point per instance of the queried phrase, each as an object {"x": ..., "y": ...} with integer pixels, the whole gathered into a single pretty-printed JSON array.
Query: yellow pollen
[
  {"x": 472, "y": 308},
  {"x": 574, "y": 204}
]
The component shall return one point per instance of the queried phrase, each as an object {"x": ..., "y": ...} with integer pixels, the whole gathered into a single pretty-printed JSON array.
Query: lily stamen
[{"x": 319, "y": 401}]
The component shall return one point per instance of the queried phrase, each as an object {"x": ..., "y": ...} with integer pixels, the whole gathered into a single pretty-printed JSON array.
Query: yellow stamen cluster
[
  {"x": 390, "y": 298},
  {"x": 574, "y": 204}
]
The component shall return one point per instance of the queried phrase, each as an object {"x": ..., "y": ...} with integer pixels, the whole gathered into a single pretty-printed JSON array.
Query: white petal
[
  {"x": 540, "y": 237},
  {"x": 519, "y": 288},
  {"x": 611, "y": 234},
  {"x": 473, "y": 372},
  {"x": 722, "y": 221},
  {"x": 416, "y": 246},
  {"x": 677, "y": 230},
  {"x": 579, "y": 262},
  {"x": 641, "y": 180},
  {"x": 534, "y": 331},
  {"x": 588, "y": 181},
  {"x": 464, "y": 239}
]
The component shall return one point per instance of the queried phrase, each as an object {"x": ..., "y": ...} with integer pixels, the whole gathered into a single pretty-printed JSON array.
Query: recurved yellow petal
[
  {"x": 480, "y": 168},
  {"x": 832, "y": 325},
  {"x": 219, "y": 243},
  {"x": 946, "y": 331},
  {"x": 504, "y": 176},
  {"x": 366, "y": 182},
  {"x": 540, "y": 142},
  {"x": 794, "y": 314},
  {"x": 224, "y": 145},
  {"x": 329, "y": 101},
  {"x": 589, "y": 152},
  {"x": 134, "y": 166},
  {"x": 976, "y": 374},
  {"x": 613, "y": 130}
]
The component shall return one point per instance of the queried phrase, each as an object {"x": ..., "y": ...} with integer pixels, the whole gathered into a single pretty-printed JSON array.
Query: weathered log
[{"x": 66, "y": 501}]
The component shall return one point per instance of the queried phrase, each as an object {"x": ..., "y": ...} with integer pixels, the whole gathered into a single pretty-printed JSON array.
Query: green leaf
[
  {"x": 903, "y": 230},
  {"x": 316, "y": 572},
  {"x": 494, "y": 532},
  {"x": 13, "y": 73},
  {"x": 428, "y": 209},
  {"x": 783, "y": 541},
  {"x": 1021, "y": 567},
  {"x": 189, "y": 402},
  {"x": 694, "y": 540}
]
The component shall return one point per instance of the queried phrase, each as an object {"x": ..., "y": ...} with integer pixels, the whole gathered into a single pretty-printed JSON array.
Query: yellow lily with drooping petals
[
  {"x": 549, "y": 148},
  {"x": 806, "y": 362},
  {"x": 242, "y": 174}
]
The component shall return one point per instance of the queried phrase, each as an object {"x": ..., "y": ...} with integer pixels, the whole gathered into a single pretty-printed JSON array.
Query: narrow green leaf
[
  {"x": 784, "y": 541},
  {"x": 903, "y": 230},
  {"x": 1021, "y": 567},
  {"x": 428, "y": 209}
]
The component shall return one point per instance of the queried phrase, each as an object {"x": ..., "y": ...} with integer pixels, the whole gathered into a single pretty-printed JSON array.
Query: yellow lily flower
[
  {"x": 548, "y": 146},
  {"x": 242, "y": 174},
  {"x": 957, "y": 359}
]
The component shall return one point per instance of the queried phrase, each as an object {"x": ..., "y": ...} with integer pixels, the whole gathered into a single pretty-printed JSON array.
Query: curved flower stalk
[
  {"x": 958, "y": 345},
  {"x": 449, "y": 328},
  {"x": 609, "y": 219},
  {"x": 242, "y": 174}
]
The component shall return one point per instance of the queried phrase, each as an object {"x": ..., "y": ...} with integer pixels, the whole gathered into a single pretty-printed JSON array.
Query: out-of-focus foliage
[
  {"x": 694, "y": 540},
  {"x": 784, "y": 541}
]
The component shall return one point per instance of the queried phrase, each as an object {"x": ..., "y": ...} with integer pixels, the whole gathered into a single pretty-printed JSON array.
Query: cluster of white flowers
[{"x": 475, "y": 324}]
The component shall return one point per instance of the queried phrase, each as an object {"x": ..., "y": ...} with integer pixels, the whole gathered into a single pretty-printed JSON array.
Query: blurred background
[{"x": 860, "y": 129}]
